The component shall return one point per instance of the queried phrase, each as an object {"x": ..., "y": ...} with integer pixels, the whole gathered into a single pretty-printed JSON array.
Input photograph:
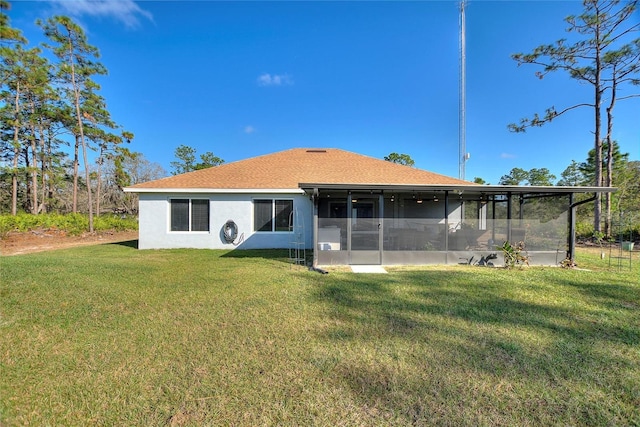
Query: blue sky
[{"x": 243, "y": 79}]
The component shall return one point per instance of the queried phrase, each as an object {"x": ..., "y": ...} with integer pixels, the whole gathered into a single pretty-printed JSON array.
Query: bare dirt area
[{"x": 47, "y": 240}]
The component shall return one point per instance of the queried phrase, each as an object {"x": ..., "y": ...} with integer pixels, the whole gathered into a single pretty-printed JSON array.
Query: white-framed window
[
  {"x": 271, "y": 215},
  {"x": 189, "y": 214}
]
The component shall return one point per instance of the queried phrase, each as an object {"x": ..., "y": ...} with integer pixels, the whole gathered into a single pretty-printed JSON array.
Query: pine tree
[{"x": 74, "y": 72}]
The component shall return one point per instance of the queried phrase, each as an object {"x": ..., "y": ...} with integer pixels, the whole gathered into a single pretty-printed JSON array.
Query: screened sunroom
[{"x": 442, "y": 225}]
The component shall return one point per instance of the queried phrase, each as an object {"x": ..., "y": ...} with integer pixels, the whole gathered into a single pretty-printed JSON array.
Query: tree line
[
  {"x": 625, "y": 176},
  {"x": 52, "y": 115}
]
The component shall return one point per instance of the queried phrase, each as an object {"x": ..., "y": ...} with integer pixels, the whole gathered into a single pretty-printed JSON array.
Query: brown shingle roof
[{"x": 287, "y": 169}]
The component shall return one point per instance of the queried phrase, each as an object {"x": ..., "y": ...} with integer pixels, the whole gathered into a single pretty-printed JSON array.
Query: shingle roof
[{"x": 287, "y": 169}]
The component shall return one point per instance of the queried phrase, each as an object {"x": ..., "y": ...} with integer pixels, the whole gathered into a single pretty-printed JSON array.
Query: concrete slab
[{"x": 368, "y": 269}]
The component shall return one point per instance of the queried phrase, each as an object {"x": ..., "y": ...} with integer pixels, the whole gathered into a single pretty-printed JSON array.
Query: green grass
[{"x": 108, "y": 335}]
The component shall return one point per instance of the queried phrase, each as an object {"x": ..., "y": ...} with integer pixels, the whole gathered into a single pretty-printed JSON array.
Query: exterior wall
[{"x": 154, "y": 225}]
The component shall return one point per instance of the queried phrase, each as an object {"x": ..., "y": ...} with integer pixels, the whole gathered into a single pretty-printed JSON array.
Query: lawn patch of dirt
[{"x": 47, "y": 240}]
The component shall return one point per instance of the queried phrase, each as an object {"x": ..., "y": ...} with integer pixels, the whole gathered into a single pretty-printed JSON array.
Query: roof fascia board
[
  {"x": 496, "y": 189},
  {"x": 216, "y": 190},
  {"x": 549, "y": 189}
]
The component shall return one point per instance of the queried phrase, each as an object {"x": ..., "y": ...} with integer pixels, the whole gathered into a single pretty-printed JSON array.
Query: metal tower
[{"x": 463, "y": 156}]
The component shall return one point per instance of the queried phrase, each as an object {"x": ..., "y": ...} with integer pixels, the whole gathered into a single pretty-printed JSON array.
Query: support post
[
  {"x": 521, "y": 212},
  {"x": 509, "y": 217},
  {"x": 315, "y": 200},
  {"x": 493, "y": 219},
  {"x": 446, "y": 222},
  {"x": 571, "y": 238}
]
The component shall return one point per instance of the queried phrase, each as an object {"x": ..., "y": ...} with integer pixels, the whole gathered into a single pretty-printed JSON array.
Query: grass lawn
[{"x": 109, "y": 335}]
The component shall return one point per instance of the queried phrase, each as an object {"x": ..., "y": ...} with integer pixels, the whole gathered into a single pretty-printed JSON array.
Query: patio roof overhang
[{"x": 470, "y": 189}]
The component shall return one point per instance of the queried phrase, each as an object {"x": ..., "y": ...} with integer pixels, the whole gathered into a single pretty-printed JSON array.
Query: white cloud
[
  {"x": 126, "y": 11},
  {"x": 507, "y": 156},
  {"x": 267, "y": 79},
  {"x": 249, "y": 129}
]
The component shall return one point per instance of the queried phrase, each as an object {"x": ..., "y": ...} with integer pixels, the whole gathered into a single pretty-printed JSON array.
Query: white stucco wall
[{"x": 154, "y": 226}]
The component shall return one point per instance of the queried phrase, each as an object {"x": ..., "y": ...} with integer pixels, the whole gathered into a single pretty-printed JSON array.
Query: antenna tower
[{"x": 462, "y": 154}]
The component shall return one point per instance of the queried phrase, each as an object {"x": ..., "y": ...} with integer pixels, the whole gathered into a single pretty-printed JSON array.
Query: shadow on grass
[
  {"x": 360, "y": 301},
  {"x": 608, "y": 293},
  {"x": 521, "y": 332},
  {"x": 127, "y": 243}
]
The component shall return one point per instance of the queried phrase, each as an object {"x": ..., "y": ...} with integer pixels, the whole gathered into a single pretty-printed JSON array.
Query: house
[{"x": 354, "y": 209}]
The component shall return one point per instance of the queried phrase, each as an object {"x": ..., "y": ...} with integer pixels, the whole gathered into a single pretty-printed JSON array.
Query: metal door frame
[{"x": 360, "y": 256}]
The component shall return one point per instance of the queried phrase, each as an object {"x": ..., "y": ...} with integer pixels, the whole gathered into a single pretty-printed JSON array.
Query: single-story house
[{"x": 346, "y": 208}]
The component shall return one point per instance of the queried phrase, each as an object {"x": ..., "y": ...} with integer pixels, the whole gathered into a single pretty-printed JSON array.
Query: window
[
  {"x": 200, "y": 215},
  {"x": 180, "y": 215},
  {"x": 262, "y": 218},
  {"x": 189, "y": 214},
  {"x": 283, "y": 212},
  {"x": 271, "y": 215}
]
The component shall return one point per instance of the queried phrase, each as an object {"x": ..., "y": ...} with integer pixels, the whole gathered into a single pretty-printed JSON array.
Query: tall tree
[
  {"x": 123, "y": 168},
  {"x": 8, "y": 35},
  {"x": 519, "y": 176},
  {"x": 479, "y": 180},
  {"x": 38, "y": 94},
  {"x": 208, "y": 160},
  {"x": 516, "y": 177},
  {"x": 602, "y": 26},
  {"x": 106, "y": 142},
  {"x": 540, "y": 177},
  {"x": 401, "y": 159},
  {"x": 13, "y": 74},
  {"x": 98, "y": 129},
  {"x": 75, "y": 69},
  {"x": 589, "y": 166},
  {"x": 186, "y": 160},
  {"x": 25, "y": 90},
  {"x": 624, "y": 64},
  {"x": 54, "y": 161},
  {"x": 627, "y": 198},
  {"x": 572, "y": 176}
]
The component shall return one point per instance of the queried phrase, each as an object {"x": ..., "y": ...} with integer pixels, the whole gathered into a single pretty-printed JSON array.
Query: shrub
[
  {"x": 73, "y": 224},
  {"x": 514, "y": 255},
  {"x": 115, "y": 222},
  {"x": 584, "y": 230},
  {"x": 568, "y": 263},
  {"x": 7, "y": 224}
]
